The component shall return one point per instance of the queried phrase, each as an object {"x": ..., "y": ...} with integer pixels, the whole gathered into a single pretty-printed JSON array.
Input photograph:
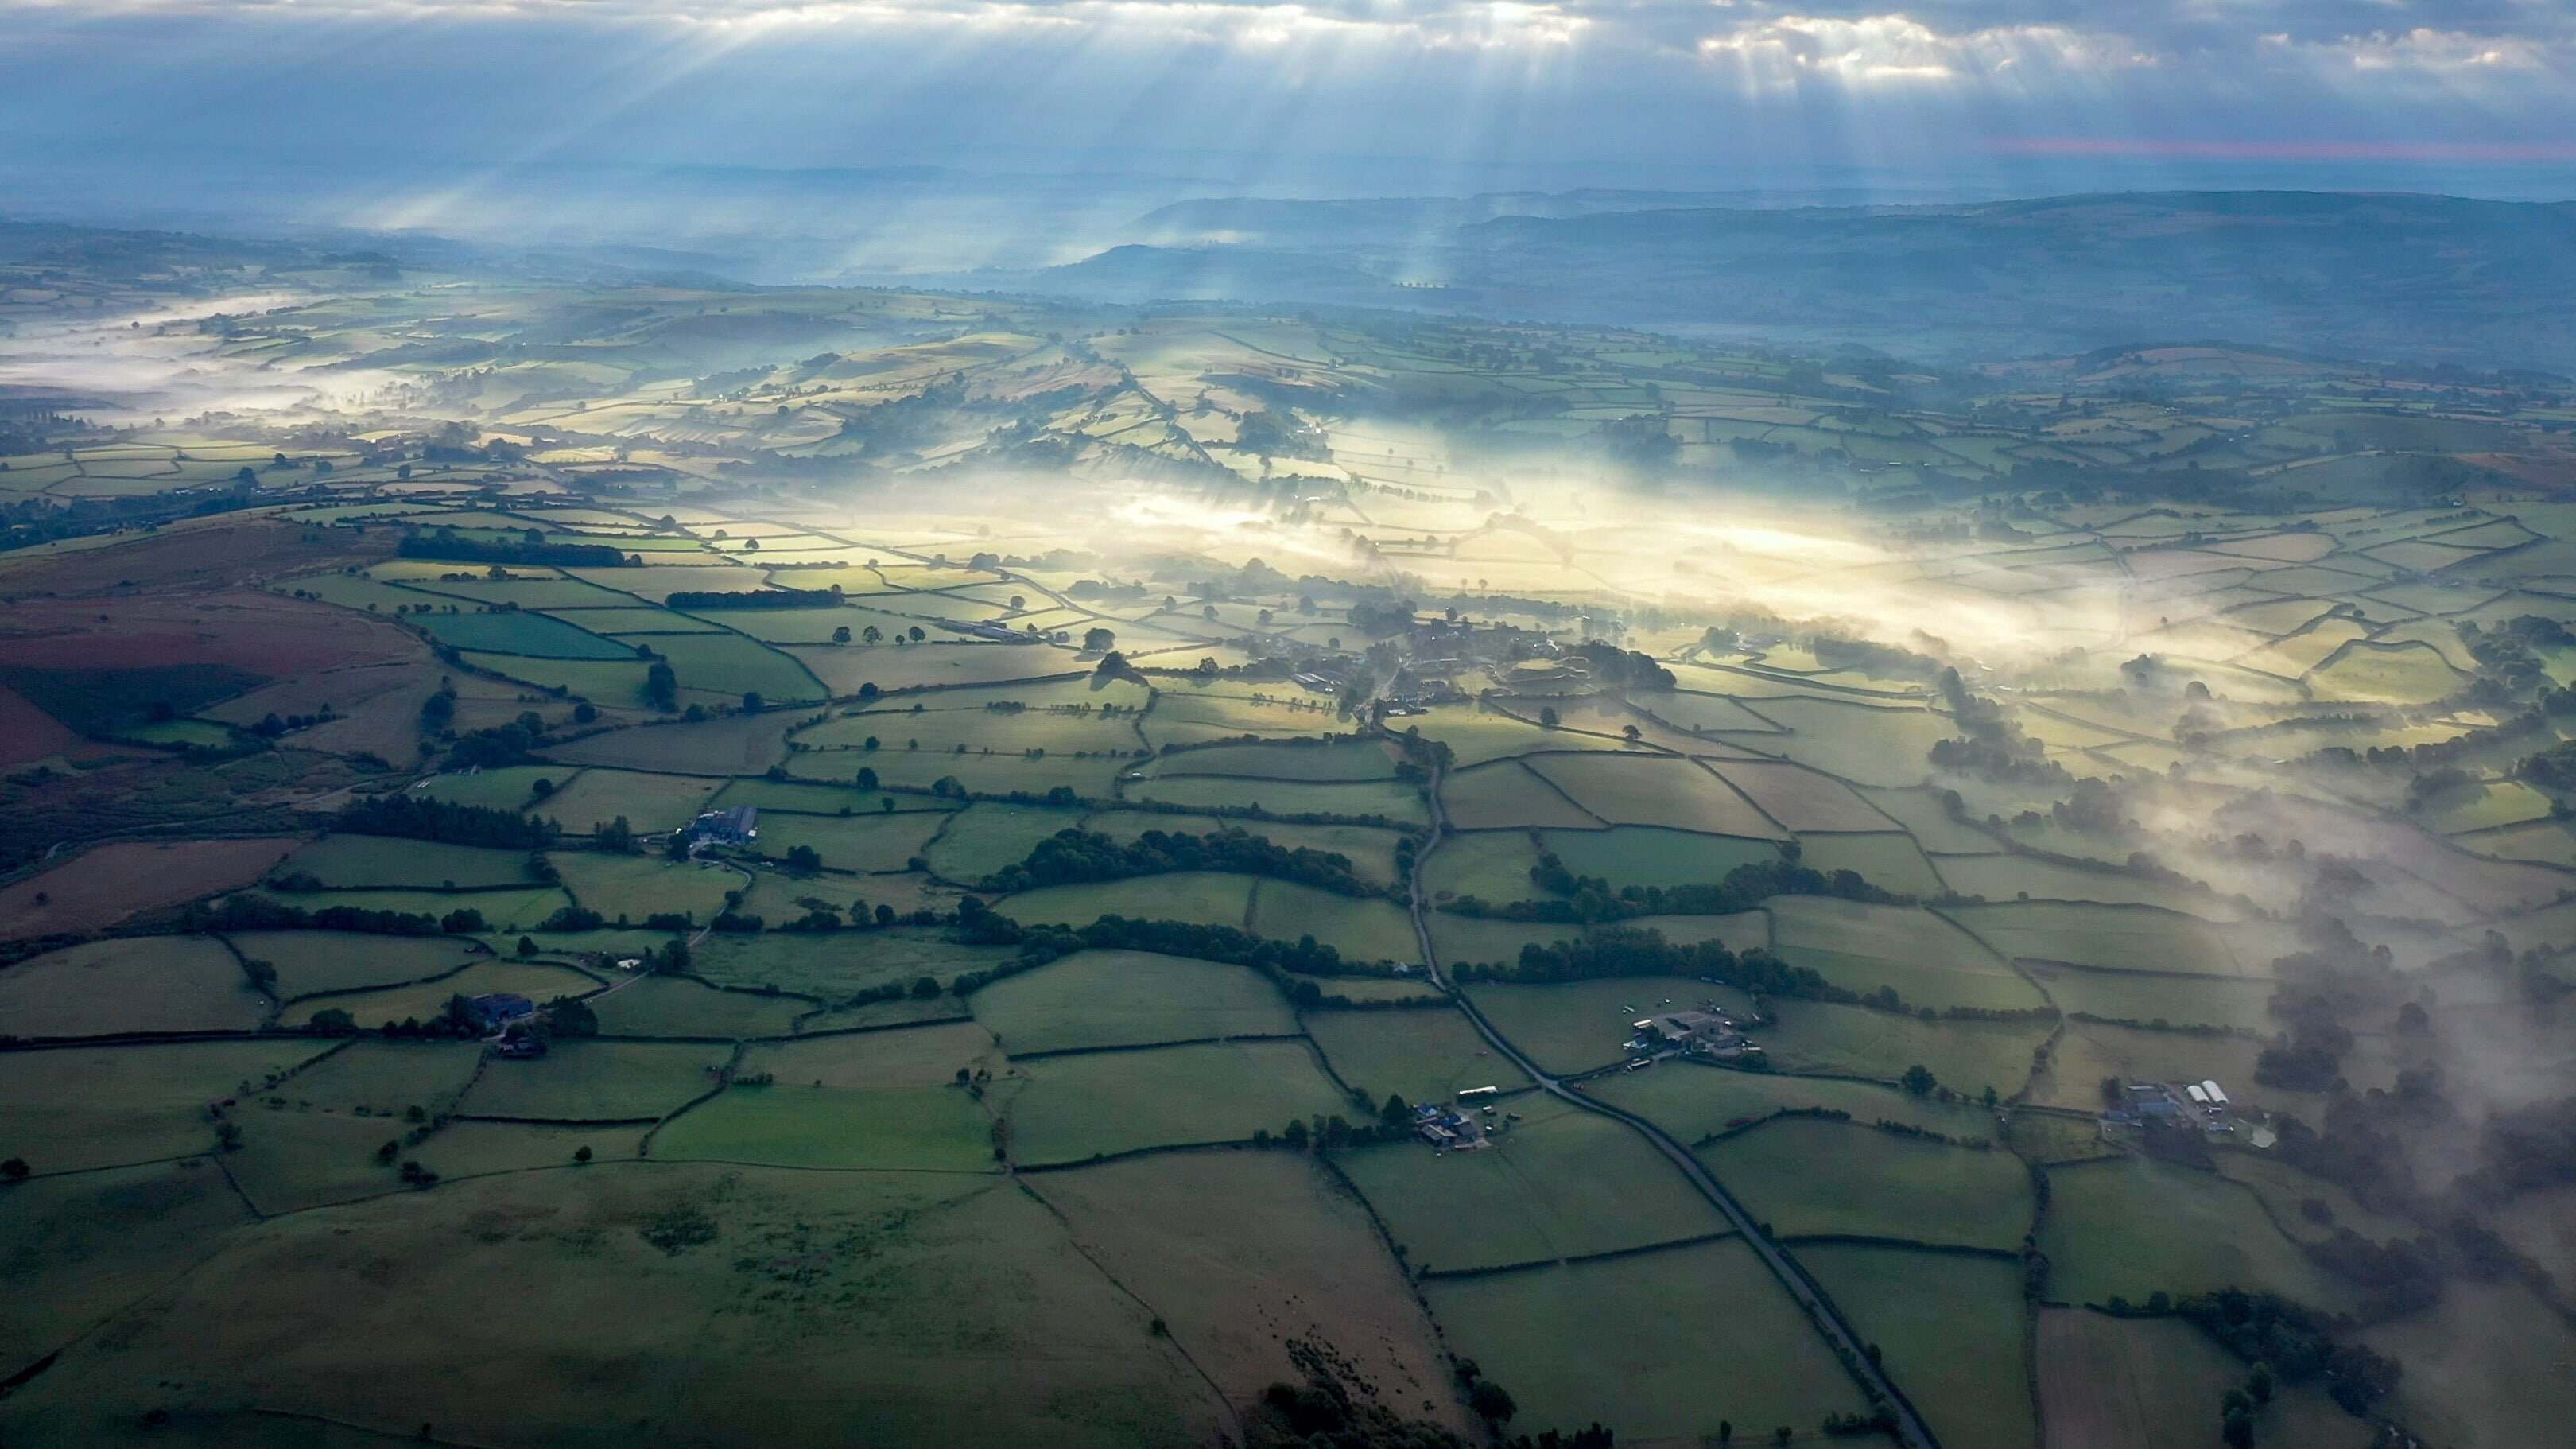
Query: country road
[{"x": 1828, "y": 1319}]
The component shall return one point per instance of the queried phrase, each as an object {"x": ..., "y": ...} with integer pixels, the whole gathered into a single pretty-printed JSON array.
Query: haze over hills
[{"x": 2425, "y": 278}]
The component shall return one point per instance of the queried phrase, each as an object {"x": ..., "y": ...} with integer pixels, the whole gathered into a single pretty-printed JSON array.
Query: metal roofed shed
[{"x": 733, "y": 825}]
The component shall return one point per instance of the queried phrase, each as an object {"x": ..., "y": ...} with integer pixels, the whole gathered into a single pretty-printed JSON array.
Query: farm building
[
  {"x": 1684, "y": 1031},
  {"x": 500, "y": 1008},
  {"x": 734, "y": 825}
]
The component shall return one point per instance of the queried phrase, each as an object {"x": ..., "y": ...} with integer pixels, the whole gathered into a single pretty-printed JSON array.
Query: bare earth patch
[{"x": 106, "y": 885}]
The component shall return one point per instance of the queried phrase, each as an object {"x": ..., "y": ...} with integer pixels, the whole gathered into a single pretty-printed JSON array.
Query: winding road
[{"x": 1847, "y": 1344}]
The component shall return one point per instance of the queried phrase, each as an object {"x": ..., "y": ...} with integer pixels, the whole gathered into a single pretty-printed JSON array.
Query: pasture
[
  {"x": 1658, "y": 1346},
  {"x": 1129, "y": 998},
  {"x": 1949, "y": 1329},
  {"x": 139, "y": 984},
  {"x": 1073, "y": 1108},
  {"x": 1562, "y": 1184},
  {"x": 1808, "y": 1178}
]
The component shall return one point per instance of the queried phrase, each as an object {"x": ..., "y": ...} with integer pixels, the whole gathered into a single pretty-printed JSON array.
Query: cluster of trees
[
  {"x": 252, "y": 913},
  {"x": 446, "y": 544},
  {"x": 1584, "y": 899},
  {"x": 2321, "y": 989},
  {"x": 690, "y": 600},
  {"x": 1989, "y": 744},
  {"x": 2299, "y": 1344},
  {"x": 1084, "y": 855},
  {"x": 419, "y": 817},
  {"x": 1617, "y": 668},
  {"x": 1643, "y": 951},
  {"x": 491, "y": 749}
]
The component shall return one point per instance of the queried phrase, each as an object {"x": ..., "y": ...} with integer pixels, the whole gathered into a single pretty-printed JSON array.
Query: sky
[{"x": 454, "y": 113}]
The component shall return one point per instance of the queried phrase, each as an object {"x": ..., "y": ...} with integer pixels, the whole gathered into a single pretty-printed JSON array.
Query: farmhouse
[
  {"x": 500, "y": 1008},
  {"x": 734, "y": 825}
]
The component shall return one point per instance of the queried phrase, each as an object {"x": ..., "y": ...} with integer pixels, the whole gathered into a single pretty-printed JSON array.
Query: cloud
[{"x": 1788, "y": 50}]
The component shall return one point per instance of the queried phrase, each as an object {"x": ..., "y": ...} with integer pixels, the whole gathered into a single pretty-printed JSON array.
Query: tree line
[
  {"x": 1076, "y": 855},
  {"x": 419, "y": 817},
  {"x": 1586, "y": 899}
]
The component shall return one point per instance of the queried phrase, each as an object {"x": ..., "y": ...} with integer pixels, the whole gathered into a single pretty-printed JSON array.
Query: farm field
[
  {"x": 1559, "y": 1185},
  {"x": 1995, "y": 726},
  {"x": 1830, "y": 1180},
  {"x": 1074, "y": 1108},
  {"x": 1129, "y": 998},
  {"x": 1682, "y": 1340},
  {"x": 1951, "y": 1326}
]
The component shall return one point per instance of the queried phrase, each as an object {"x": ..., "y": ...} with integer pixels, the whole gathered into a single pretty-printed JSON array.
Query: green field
[
  {"x": 1965, "y": 1056},
  {"x": 669, "y": 1006},
  {"x": 648, "y": 802},
  {"x": 2131, "y": 1227},
  {"x": 867, "y": 842},
  {"x": 596, "y": 1081},
  {"x": 1355, "y": 799},
  {"x": 1647, "y": 855},
  {"x": 1128, "y": 998},
  {"x": 1949, "y": 1330},
  {"x": 894, "y": 1368},
  {"x": 831, "y": 969},
  {"x": 1927, "y": 960},
  {"x": 1207, "y": 898},
  {"x": 1695, "y": 1102},
  {"x": 1562, "y": 1184},
  {"x": 1506, "y": 795},
  {"x": 534, "y": 635},
  {"x": 1078, "y": 1107},
  {"x": 2107, "y": 938},
  {"x": 363, "y": 862},
  {"x": 1492, "y": 865},
  {"x": 633, "y": 887},
  {"x": 138, "y": 985},
  {"x": 427, "y": 1000},
  {"x": 990, "y": 835},
  {"x": 1824, "y": 1179},
  {"x": 1421, "y": 1056},
  {"x": 1361, "y": 929},
  {"x": 1579, "y": 1025},
  {"x": 1661, "y": 1346},
  {"x": 73, "y": 1109},
  {"x": 325, "y": 961},
  {"x": 1632, "y": 790}
]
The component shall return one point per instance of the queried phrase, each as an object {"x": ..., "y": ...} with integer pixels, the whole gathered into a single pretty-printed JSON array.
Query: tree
[
  {"x": 841, "y": 635},
  {"x": 1547, "y": 716},
  {"x": 616, "y": 837},
  {"x": 1492, "y": 1401},
  {"x": 581, "y": 1153},
  {"x": 752, "y": 702},
  {"x": 661, "y": 686},
  {"x": 917, "y": 635},
  {"x": 803, "y": 860},
  {"x": 1918, "y": 1080},
  {"x": 527, "y": 947},
  {"x": 463, "y": 922},
  {"x": 1098, "y": 640},
  {"x": 872, "y": 635},
  {"x": 14, "y": 1170},
  {"x": 584, "y": 712},
  {"x": 867, "y": 777}
]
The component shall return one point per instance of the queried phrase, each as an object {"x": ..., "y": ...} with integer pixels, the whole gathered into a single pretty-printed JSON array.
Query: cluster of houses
[{"x": 1456, "y": 1127}]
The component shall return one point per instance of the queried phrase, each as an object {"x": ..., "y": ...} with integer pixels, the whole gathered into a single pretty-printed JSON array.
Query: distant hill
[{"x": 2424, "y": 278}]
